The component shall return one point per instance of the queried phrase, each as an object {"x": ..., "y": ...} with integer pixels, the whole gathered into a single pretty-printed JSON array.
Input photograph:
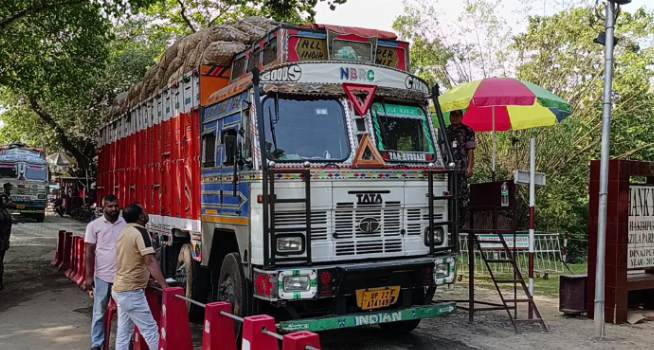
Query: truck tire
[
  {"x": 39, "y": 217},
  {"x": 232, "y": 284},
  {"x": 190, "y": 275}
]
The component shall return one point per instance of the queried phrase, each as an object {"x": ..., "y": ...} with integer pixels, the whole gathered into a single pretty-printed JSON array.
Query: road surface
[{"x": 41, "y": 309}]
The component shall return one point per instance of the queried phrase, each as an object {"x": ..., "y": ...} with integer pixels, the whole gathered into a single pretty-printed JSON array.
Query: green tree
[
  {"x": 558, "y": 53},
  {"x": 52, "y": 60},
  {"x": 62, "y": 62},
  {"x": 188, "y": 16},
  {"x": 430, "y": 57},
  {"x": 450, "y": 52}
]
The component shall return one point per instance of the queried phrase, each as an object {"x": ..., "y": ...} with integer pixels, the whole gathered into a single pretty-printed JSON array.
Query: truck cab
[
  {"x": 26, "y": 170},
  {"x": 301, "y": 176},
  {"x": 317, "y": 174}
]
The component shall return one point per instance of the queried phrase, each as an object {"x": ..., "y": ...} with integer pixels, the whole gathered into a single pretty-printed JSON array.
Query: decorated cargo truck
[
  {"x": 26, "y": 170},
  {"x": 293, "y": 170}
]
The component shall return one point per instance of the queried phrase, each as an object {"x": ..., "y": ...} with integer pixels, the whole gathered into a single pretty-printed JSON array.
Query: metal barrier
[
  {"x": 219, "y": 331},
  {"x": 171, "y": 313},
  {"x": 548, "y": 254},
  {"x": 58, "y": 258}
]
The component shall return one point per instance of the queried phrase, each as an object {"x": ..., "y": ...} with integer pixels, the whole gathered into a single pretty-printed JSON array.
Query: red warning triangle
[
  {"x": 352, "y": 90},
  {"x": 367, "y": 155}
]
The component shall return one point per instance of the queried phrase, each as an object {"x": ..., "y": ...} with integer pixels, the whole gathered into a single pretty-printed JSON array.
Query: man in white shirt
[{"x": 100, "y": 251}]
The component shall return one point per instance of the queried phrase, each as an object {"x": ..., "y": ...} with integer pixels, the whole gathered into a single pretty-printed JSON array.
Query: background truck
[
  {"x": 26, "y": 169},
  {"x": 292, "y": 170}
]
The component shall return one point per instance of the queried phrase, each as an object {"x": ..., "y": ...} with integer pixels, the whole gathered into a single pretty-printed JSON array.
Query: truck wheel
[
  {"x": 231, "y": 284},
  {"x": 189, "y": 275},
  {"x": 39, "y": 217}
]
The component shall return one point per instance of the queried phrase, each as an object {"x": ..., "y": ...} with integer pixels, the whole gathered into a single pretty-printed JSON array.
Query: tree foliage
[
  {"x": 63, "y": 61},
  {"x": 47, "y": 56},
  {"x": 65, "y": 113},
  {"x": 558, "y": 53},
  {"x": 183, "y": 17}
]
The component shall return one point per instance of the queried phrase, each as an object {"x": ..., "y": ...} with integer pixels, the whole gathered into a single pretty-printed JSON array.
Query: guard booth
[
  {"x": 629, "y": 267},
  {"x": 491, "y": 208}
]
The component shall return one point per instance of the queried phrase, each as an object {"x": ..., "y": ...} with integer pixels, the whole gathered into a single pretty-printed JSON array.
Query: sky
[{"x": 380, "y": 14}]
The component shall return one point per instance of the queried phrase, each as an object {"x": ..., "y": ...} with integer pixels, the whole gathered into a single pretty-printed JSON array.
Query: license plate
[
  {"x": 20, "y": 206},
  {"x": 376, "y": 298}
]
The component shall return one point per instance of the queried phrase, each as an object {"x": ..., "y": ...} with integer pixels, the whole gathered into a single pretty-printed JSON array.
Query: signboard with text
[
  {"x": 640, "y": 249},
  {"x": 629, "y": 238},
  {"x": 339, "y": 73},
  {"x": 521, "y": 241}
]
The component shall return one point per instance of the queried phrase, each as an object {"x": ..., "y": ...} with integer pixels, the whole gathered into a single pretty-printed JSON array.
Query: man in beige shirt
[{"x": 135, "y": 261}]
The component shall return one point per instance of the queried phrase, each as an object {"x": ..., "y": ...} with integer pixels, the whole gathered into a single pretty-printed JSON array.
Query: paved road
[{"x": 41, "y": 309}]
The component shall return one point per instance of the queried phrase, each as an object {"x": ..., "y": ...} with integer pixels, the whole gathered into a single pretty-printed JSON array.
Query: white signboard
[
  {"x": 521, "y": 177},
  {"x": 640, "y": 250},
  {"x": 338, "y": 73},
  {"x": 521, "y": 241}
]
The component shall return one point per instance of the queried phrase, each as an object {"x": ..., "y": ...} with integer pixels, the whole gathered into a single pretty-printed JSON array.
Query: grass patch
[
  {"x": 550, "y": 286},
  {"x": 544, "y": 286}
]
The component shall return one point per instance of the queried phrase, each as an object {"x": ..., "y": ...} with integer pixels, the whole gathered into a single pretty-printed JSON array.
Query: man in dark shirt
[
  {"x": 5, "y": 226},
  {"x": 462, "y": 141}
]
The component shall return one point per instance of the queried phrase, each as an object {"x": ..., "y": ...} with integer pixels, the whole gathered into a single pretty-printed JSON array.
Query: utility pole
[{"x": 611, "y": 10}]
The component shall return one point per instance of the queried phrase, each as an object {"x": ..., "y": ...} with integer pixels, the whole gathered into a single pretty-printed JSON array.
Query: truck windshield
[
  {"x": 402, "y": 131},
  {"x": 305, "y": 129},
  {"x": 36, "y": 172},
  {"x": 8, "y": 170}
]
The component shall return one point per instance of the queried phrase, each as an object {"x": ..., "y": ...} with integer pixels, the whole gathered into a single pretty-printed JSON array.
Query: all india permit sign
[{"x": 640, "y": 249}]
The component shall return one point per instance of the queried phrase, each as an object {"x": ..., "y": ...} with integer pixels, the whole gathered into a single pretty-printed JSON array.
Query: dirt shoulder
[{"x": 492, "y": 330}]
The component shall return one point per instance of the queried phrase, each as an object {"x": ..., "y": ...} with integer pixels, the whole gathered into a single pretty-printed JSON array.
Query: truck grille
[
  {"x": 352, "y": 240},
  {"x": 342, "y": 227},
  {"x": 293, "y": 222},
  {"x": 417, "y": 219}
]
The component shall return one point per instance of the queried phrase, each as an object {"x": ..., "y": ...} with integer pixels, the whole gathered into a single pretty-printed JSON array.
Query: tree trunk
[{"x": 80, "y": 154}]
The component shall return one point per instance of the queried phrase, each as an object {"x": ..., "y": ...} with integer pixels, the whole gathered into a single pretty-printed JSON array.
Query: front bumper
[
  {"x": 31, "y": 207},
  {"x": 343, "y": 280},
  {"x": 367, "y": 318}
]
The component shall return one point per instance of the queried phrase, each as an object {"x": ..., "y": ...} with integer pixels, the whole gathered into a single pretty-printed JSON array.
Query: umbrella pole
[
  {"x": 494, "y": 144},
  {"x": 532, "y": 218}
]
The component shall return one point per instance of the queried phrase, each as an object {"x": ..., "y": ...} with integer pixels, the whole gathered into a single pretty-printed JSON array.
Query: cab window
[{"x": 209, "y": 149}]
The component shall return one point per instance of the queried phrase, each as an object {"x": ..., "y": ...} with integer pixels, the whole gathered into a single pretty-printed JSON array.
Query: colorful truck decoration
[{"x": 301, "y": 177}]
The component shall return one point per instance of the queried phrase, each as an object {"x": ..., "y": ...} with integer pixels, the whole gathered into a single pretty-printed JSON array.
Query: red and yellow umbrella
[
  {"x": 499, "y": 104},
  {"x": 502, "y": 104}
]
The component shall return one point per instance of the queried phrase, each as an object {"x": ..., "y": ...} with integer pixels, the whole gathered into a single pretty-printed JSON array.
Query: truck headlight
[
  {"x": 444, "y": 270},
  {"x": 441, "y": 270},
  {"x": 439, "y": 235},
  {"x": 290, "y": 244},
  {"x": 298, "y": 284},
  {"x": 41, "y": 196}
]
